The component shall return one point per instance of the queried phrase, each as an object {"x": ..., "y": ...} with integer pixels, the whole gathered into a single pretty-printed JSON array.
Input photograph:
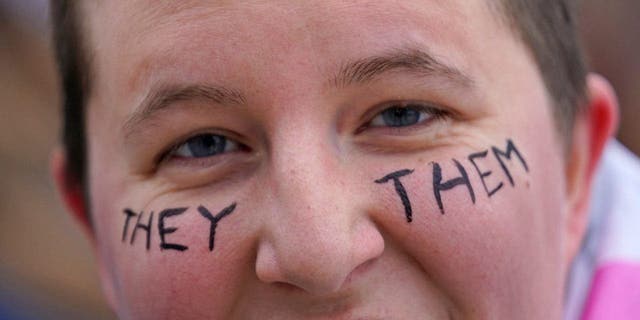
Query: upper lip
[
  {"x": 332, "y": 305},
  {"x": 341, "y": 302},
  {"x": 337, "y": 305}
]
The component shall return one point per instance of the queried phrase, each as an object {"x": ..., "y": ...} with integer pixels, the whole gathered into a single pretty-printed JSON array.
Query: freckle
[{"x": 528, "y": 184}]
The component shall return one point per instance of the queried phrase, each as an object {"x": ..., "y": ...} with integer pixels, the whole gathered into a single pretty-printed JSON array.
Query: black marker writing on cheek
[
  {"x": 484, "y": 175},
  {"x": 214, "y": 221},
  {"x": 162, "y": 230},
  {"x": 402, "y": 193},
  {"x": 502, "y": 156},
  {"x": 439, "y": 186},
  {"x": 145, "y": 227},
  {"x": 130, "y": 214},
  {"x": 511, "y": 148}
]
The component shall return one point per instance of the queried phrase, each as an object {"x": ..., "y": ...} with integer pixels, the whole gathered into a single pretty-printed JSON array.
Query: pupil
[
  {"x": 206, "y": 145},
  {"x": 400, "y": 117}
]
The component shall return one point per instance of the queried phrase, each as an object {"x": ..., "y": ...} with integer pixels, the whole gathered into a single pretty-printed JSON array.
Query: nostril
[
  {"x": 305, "y": 246},
  {"x": 358, "y": 271},
  {"x": 287, "y": 286},
  {"x": 267, "y": 268}
]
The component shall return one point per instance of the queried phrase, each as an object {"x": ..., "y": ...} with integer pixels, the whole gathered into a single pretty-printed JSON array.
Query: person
[{"x": 329, "y": 159}]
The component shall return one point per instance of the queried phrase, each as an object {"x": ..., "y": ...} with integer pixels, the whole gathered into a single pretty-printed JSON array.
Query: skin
[{"x": 312, "y": 235}]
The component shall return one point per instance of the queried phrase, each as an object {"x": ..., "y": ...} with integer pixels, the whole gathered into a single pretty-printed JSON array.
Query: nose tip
[
  {"x": 312, "y": 274},
  {"x": 319, "y": 264},
  {"x": 316, "y": 230}
]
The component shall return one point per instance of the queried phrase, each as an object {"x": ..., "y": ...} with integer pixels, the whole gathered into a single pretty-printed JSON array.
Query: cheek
[
  {"x": 182, "y": 273},
  {"x": 485, "y": 247}
]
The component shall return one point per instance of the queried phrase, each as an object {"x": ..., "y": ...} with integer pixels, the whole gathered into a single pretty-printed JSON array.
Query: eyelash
[
  {"x": 435, "y": 114},
  {"x": 170, "y": 153}
]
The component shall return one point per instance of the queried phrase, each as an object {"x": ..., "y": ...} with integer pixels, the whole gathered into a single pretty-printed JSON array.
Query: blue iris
[
  {"x": 401, "y": 116},
  {"x": 206, "y": 145}
]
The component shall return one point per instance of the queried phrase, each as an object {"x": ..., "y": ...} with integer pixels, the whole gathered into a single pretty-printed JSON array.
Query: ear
[
  {"x": 72, "y": 195},
  {"x": 593, "y": 127},
  {"x": 71, "y": 192}
]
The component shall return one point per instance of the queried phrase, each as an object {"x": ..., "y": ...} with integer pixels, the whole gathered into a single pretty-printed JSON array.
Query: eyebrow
[
  {"x": 413, "y": 60},
  {"x": 161, "y": 98},
  {"x": 361, "y": 71}
]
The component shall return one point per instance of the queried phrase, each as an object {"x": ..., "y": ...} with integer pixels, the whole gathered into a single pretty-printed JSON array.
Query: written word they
[
  {"x": 460, "y": 178},
  {"x": 146, "y": 227}
]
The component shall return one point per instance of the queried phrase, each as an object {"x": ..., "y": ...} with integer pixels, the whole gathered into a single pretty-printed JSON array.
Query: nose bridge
[
  {"x": 307, "y": 184},
  {"x": 304, "y": 158},
  {"x": 311, "y": 226}
]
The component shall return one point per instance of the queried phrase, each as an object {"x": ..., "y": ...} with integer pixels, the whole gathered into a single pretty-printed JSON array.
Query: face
[{"x": 322, "y": 160}]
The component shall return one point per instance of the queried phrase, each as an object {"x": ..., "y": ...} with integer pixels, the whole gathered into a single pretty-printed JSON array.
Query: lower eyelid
[
  {"x": 199, "y": 172},
  {"x": 203, "y": 162}
]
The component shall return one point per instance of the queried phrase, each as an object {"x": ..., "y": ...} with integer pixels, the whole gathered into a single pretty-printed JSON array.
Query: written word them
[{"x": 440, "y": 185}]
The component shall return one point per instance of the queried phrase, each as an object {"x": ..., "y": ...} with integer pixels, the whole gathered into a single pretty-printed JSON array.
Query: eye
[
  {"x": 405, "y": 115},
  {"x": 204, "y": 145}
]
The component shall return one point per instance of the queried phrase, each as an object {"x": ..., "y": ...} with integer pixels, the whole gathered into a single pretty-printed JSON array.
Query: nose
[{"x": 317, "y": 234}]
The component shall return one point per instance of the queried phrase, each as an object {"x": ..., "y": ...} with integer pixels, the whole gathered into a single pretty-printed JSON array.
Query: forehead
[
  {"x": 136, "y": 40},
  {"x": 144, "y": 17}
]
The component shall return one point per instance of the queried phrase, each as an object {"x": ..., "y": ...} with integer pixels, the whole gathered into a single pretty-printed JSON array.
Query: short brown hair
[
  {"x": 546, "y": 27},
  {"x": 74, "y": 73},
  {"x": 549, "y": 29}
]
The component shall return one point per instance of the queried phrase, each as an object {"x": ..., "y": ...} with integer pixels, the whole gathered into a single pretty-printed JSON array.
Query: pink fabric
[{"x": 615, "y": 293}]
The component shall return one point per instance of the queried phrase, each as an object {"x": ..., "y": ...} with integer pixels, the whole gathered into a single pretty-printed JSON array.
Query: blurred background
[{"x": 47, "y": 269}]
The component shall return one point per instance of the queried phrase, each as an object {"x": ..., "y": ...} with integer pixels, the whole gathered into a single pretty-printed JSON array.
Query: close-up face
[{"x": 322, "y": 160}]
